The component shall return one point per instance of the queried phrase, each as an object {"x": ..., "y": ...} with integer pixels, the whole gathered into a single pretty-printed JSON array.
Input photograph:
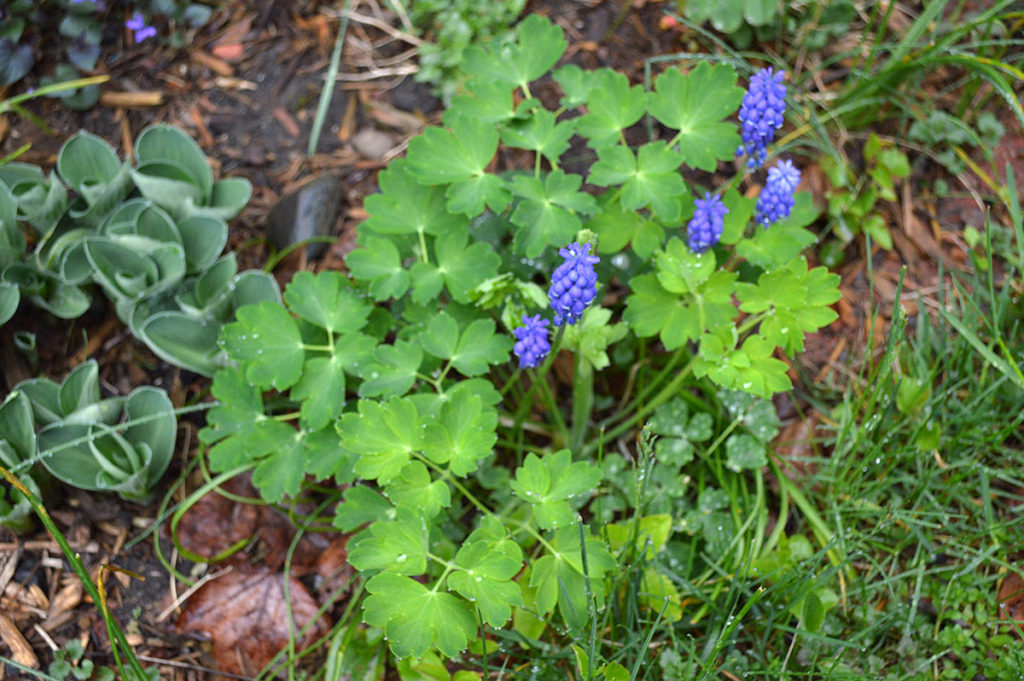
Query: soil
[{"x": 246, "y": 88}]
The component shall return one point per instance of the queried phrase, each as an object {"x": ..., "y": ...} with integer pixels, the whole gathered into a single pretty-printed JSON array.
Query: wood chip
[
  {"x": 141, "y": 99},
  {"x": 21, "y": 651},
  {"x": 218, "y": 66},
  {"x": 64, "y": 601}
]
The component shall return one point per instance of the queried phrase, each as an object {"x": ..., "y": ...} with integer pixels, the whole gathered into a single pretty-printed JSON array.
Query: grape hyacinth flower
[
  {"x": 761, "y": 114},
  {"x": 138, "y": 24},
  {"x": 776, "y": 200},
  {"x": 705, "y": 229},
  {"x": 532, "y": 344},
  {"x": 574, "y": 283}
]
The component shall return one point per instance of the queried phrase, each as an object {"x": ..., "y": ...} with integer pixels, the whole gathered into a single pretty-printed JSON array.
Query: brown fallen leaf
[
  {"x": 1011, "y": 598},
  {"x": 216, "y": 522},
  {"x": 245, "y": 615}
]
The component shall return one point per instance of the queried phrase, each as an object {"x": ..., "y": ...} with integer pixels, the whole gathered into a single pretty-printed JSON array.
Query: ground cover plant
[{"x": 539, "y": 408}]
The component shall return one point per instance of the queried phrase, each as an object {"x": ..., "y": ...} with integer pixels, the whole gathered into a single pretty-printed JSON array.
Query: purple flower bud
[
  {"x": 574, "y": 283},
  {"x": 776, "y": 200},
  {"x": 761, "y": 115},
  {"x": 532, "y": 344},
  {"x": 705, "y": 229},
  {"x": 138, "y": 24}
]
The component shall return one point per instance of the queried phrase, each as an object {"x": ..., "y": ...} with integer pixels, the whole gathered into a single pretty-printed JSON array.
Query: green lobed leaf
[
  {"x": 415, "y": 489},
  {"x": 695, "y": 104},
  {"x": 464, "y": 266},
  {"x": 391, "y": 371},
  {"x": 612, "y": 106},
  {"x": 796, "y": 300},
  {"x": 378, "y": 263},
  {"x": 592, "y": 336},
  {"x": 558, "y": 576},
  {"x": 397, "y": 545},
  {"x": 784, "y": 240},
  {"x": 540, "y": 133},
  {"x": 548, "y": 212},
  {"x": 405, "y": 206},
  {"x": 463, "y": 434},
  {"x": 540, "y": 43},
  {"x": 551, "y": 483},
  {"x": 649, "y": 178},
  {"x": 384, "y": 435},
  {"x": 361, "y": 505},
  {"x": 414, "y": 618},
  {"x": 489, "y": 560},
  {"x": 328, "y": 300},
  {"x": 266, "y": 340}
]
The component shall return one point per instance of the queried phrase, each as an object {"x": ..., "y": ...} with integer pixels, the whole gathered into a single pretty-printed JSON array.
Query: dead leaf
[
  {"x": 245, "y": 615},
  {"x": 1011, "y": 598}
]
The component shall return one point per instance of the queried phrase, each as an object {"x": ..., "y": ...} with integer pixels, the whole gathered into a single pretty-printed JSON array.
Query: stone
[
  {"x": 373, "y": 143},
  {"x": 306, "y": 211}
]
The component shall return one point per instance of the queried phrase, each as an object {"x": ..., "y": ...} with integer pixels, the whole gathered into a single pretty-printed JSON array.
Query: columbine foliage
[{"x": 384, "y": 382}]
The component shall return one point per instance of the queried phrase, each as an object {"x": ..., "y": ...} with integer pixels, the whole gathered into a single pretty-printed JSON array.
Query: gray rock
[
  {"x": 309, "y": 210},
  {"x": 373, "y": 143}
]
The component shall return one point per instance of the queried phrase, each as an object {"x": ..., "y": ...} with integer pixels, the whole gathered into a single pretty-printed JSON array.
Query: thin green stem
[
  {"x": 582, "y": 401},
  {"x": 666, "y": 393},
  {"x": 552, "y": 404}
]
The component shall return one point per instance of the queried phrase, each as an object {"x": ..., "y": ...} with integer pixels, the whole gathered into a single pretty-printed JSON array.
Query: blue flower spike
[
  {"x": 705, "y": 229},
  {"x": 574, "y": 283},
  {"x": 776, "y": 200},
  {"x": 532, "y": 344},
  {"x": 138, "y": 24},
  {"x": 761, "y": 115}
]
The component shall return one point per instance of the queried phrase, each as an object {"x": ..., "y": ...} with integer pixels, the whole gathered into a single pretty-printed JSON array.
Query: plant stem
[
  {"x": 664, "y": 395},
  {"x": 582, "y": 401}
]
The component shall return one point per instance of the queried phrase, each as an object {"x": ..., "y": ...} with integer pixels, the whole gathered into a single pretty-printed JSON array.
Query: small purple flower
[
  {"x": 776, "y": 200},
  {"x": 532, "y": 344},
  {"x": 761, "y": 114},
  {"x": 574, "y": 283},
  {"x": 138, "y": 24},
  {"x": 705, "y": 229}
]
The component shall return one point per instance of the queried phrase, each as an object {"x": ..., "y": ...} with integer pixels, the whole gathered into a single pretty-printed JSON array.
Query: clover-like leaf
[
  {"x": 459, "y": 158},
  {"x": 378, "y": 262},
  {"x": 384, "y": 435},
  {"x": 540, "y": 133},
  {"x": 405, "y": 206},
  {"x": 695, "y": 104},
  {"x": 397, "y": 545},
  {"x": 328, "y": 300},
  {"x": 415, "y": 617},
  {"x": 650, "y": 178},
  {"x": 464, "y": 433},
  {"x": 592, "y": 336},
  {"x": 391, "y": 371},
  {"x": 540, "y": 43},
  {"x": 612, "y": 106},
  {"x": 488, "y": 565},
  {"x": 549, "y": 484},
  {"x": 267, "y": 341},
  {"x": 415, "y": 489},
  {"x": 361, "y": 505},
  {"x": 463, "y": 266},
  {"x": 743, "y": 452},
  {"x": 548, "y": 212}
]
